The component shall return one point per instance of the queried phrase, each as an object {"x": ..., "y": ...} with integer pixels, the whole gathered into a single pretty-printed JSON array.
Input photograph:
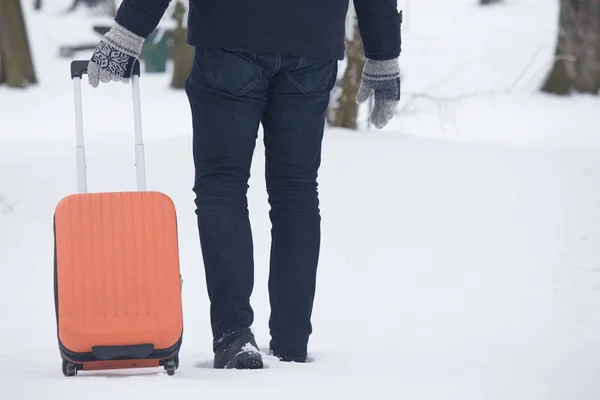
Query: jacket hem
[{"x": 256, "y": 46}]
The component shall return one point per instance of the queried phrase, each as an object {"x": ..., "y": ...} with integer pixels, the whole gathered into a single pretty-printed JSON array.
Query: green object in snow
[{"x": 155, "y": 52}]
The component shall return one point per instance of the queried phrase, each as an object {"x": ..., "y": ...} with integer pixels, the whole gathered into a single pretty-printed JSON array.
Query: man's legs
[
  {"x": 293, "y": 131},
  {"x": 227, "y": 99}
]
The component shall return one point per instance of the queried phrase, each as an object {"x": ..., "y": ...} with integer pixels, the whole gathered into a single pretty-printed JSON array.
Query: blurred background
[
  {"x": 455, "y": 54},
  {"x": 498, "y": 48}
]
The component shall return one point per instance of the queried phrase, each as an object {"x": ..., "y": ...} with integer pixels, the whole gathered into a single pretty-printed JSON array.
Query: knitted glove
[
  {"x": 382, "y": 78},
  {"x": 115, "y": 56}
]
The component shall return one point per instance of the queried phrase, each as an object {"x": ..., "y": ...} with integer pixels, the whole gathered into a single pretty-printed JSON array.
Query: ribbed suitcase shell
[{"x": 117, "y": 273}]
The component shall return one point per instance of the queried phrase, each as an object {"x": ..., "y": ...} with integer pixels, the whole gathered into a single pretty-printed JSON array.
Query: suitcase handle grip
[
  {"x": 120, "y": 352},
  {"x": 78, "y": 68}
]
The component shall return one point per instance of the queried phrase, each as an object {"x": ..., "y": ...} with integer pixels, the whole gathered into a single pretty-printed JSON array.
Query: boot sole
[{"x": 246, "y": 360}]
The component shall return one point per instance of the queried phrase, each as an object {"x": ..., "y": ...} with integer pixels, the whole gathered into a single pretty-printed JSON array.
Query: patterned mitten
[
  {"x": 383, "y": 78},
  {"x": 115, "y": 56}
]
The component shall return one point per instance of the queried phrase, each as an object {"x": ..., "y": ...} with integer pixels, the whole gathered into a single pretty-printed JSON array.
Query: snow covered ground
[{"x": 461, "y": 245}]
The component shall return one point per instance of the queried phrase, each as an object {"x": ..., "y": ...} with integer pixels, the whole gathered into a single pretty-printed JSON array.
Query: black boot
[
  {"x": 241, "y": 353},
  {"x": 287, "y": 358}
]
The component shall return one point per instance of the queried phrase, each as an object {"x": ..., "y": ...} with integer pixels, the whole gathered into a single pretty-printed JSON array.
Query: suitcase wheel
[
  {"x": 68, "y": 368},
  {"x": 171, "y": 365}
]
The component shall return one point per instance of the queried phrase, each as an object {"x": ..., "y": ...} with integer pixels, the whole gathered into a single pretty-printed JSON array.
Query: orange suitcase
[{"x": 117, "y": 283}]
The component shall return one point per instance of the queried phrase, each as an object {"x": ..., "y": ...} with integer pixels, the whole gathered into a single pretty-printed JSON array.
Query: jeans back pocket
[
  {"x": 234, "y": 72},
  {"x": 314, "y": 75}
]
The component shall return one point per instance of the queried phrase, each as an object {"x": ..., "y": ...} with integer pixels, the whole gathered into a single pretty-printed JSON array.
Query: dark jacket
[{"x": 304, "y": 28}]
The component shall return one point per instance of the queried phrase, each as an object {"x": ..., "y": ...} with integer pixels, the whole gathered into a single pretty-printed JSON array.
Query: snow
[{"x": 460, "y": 255}]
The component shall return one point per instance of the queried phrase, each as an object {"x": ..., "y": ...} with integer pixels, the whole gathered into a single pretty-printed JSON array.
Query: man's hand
[
  {"x": 382, "y": 78},
  {"x": 115, "y": 56}
]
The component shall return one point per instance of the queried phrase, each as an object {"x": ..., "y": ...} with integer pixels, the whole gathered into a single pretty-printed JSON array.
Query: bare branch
[
  {"x": 524, "y": 70},
  {"x": 449, "y": 99},
  {"x": 444, "y": 99}
]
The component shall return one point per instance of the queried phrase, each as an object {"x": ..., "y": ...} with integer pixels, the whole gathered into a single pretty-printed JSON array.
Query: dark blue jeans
[{"x": 231, "y": 93}]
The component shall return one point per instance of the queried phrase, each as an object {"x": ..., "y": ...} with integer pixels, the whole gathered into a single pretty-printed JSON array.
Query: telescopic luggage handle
[{"x": 78, "y": 69}]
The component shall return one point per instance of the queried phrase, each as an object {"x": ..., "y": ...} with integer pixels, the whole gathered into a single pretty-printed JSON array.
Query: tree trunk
[
  {"x": 182, "y": 54},
  {"x": 577, "y": 54},
  {"x": 346, "y": 113},
  {"x": 3, "y": 74},
  {"x": 16, "y": 63}
]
